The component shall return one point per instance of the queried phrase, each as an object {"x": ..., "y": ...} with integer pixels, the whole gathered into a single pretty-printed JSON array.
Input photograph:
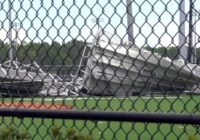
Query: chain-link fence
[{"x": 90, "y": 69}]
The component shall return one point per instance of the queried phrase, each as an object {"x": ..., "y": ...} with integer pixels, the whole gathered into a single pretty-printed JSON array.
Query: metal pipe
[
  {"x": 195, "y": 14},
  {"x": 190, "y": 49},
  {"x": 130, "y": 21},
  {"x": 103, "y": 116},
  {"x": 10, "y": 30},
  {"x": 182, "y": 39},
  {"x": 15, "y": 43}
]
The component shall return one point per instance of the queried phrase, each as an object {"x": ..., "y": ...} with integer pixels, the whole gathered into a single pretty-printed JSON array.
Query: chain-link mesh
[{"x": 110, "y": 69}]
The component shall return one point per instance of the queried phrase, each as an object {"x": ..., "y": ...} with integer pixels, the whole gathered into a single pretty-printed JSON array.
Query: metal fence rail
[
  {"x": 105, "y": 116},
  {"x": 118, "y": 69}
]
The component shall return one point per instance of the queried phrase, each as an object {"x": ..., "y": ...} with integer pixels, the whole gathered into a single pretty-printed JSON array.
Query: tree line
[
  {"x": 44, "y": 53},
  {"x": 171, "y": 52},
  {"x": 65, "y": 54}
]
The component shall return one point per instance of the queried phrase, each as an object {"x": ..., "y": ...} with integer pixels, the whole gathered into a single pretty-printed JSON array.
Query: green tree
[
  {"x": 4, "y": 48},
  {"x": 46, "y": 54},
  {"x": 27, "y": 53},
  {"x": 148, "y": 48},
  {"x": 173, "y": 52},
  {"x": 74, "y": 50},
  {"x": 161, "y": 50}
]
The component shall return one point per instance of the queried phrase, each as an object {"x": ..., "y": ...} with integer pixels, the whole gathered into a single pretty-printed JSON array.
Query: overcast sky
[{"x": 156, "y": 22}]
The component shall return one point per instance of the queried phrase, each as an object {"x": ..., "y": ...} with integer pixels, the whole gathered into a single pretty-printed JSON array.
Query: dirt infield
[{"x": 41, "y": 106}]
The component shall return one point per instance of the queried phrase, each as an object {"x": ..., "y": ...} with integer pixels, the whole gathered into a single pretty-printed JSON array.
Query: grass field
[{"x": 40, "y": 128}]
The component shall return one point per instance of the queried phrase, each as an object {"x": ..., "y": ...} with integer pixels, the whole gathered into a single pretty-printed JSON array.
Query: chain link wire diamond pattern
[{"x": 136, "y": 56}]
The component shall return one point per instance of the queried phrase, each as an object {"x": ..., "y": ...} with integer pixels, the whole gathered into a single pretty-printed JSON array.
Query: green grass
[{"x": 40, "y": 128}]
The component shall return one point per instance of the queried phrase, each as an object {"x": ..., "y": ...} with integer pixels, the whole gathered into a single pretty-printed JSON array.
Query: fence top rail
[{"x": 104, "y": 116}]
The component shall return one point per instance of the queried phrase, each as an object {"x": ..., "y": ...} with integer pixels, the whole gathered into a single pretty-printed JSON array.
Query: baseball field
[{"x": 41, "y": 128}]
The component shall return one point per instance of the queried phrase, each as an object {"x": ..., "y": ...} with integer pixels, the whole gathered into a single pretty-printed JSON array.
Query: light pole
[
  {"x": 15, "y": 42},
  {"x": 190, "y": 49},
  {"x": 195, "y": 14},
  {"x": 188, "y": 54},
  {"x": 98, "y": 20},
  {"x": 10, "y": 31},
  {"x": 182, "y": 39},
  {"x": 130, "y": 21}
]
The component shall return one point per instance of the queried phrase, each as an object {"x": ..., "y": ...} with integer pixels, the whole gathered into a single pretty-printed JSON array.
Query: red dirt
[{"x": 41, "y": 106}]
